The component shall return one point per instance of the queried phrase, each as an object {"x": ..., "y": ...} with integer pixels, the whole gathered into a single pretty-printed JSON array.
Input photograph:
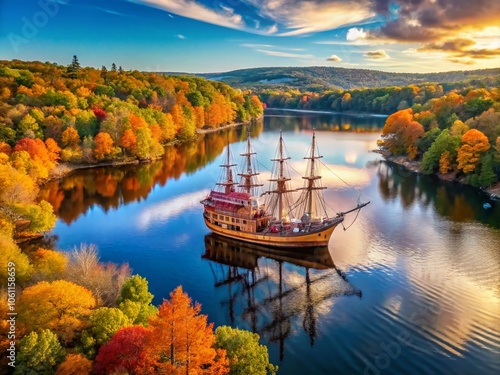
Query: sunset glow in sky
[{"x": 213, "y": 35}]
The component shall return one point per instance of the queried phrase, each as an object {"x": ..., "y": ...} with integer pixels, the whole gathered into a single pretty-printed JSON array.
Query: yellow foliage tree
[
  {"x": 70, "y": 137},
  {"x": 22, "y": 161},
  {"x": 49, "y": 264},
  {"x": 61, "y": 306},
  {"x": 11, "y": 253}
]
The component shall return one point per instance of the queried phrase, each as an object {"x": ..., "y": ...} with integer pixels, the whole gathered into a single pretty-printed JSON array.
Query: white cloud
[
  {"x": 334, "y": 58},
  {"x": 285, "y": 54},
  {"x": 377, "y": 55},
  {"x": 260, "y": 46},
  {"x": 191, "y": 9},
  {"x": 180, "y": 36},
  {"x": 354, "y": 34},
  {"x": 253, "y": 45}
]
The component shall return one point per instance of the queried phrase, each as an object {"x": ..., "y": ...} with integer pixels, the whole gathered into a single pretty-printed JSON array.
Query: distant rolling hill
[{"x": 319, "y": 78}]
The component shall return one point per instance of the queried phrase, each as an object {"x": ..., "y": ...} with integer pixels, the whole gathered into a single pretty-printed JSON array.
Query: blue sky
[{"x": 213, "y": 35}]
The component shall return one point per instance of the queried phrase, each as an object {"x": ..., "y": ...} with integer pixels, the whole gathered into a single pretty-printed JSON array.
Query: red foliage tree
[
  {"x": 99, "y": 113},
  {"x": 124, "y": 353}
]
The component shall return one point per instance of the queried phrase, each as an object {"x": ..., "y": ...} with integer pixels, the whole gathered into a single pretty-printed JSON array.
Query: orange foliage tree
[
  {"x": 199, "y": 113},
  {"x": 181, "y": 341},
  {"x": 474, "y": 144},
  {"x": 75, "y": 364},
  {"x": 53, "y": 150},
  {"x": 401, "y": 133},
  {"x": 411, "y": 134},
  {"x": 103, "y": 146},
  {"x": 60, "y": 306},
  {"x": 129, "y": 141},
  {"x": 177, "y": 117},
  {"x": 445, "y": 162},
  {"x": 37, "y": 151},
  {"x": 5, "y": 148}
]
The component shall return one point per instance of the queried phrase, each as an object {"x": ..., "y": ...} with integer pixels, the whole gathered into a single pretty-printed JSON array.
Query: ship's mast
[
  {"x": 248, "y": 181},
  {"x": 313, "y": 181},
  {"x": 226, "y": 180},
  {"x": 281, "y": 179}
]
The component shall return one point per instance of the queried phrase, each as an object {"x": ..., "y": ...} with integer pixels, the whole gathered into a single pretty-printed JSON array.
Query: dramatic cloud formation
[
  {"x": 460, "y": 30},
  {"x": 441, "y": 25},
  {"x": 380, "y": 54},
  {"x": 305, "y": 17},
  {"x": 334, "y": 58},
  {"x": 297, "y": 17},
  {"x": 461, "y": 50},
  {"x": 425, "y": 20}
]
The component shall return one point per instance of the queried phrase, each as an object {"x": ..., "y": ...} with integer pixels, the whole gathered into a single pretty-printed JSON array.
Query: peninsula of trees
[
  {"x": 89, "y": 115},
  {"x": 453, "y": 129}
]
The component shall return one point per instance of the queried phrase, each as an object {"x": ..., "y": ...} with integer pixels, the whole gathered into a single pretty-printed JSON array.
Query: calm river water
[{"x": 412, "y": 287}]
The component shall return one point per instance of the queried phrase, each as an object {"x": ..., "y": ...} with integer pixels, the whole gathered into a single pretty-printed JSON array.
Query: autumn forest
[{"x": 77, "y": 315}]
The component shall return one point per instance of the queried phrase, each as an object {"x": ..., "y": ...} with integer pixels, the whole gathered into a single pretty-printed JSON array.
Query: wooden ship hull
[{"x": 315, "y": 237}]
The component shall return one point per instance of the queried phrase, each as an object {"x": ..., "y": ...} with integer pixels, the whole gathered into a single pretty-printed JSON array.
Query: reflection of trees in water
[
  {"x": 109, "y": 187},
  {"x": 456, "y": 202},
  {"x": 276, "y": 119},
  {"x": 276, "y": 292}
]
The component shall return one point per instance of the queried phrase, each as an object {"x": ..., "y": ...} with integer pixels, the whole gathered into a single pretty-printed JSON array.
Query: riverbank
[
  {"x": 63, "y": 169},
  {"x": 214, "y": 130},
  {"x": 414, "y": 166}
]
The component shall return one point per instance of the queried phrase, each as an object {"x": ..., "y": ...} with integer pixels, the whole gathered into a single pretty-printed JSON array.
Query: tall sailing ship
[{"x": 235, "y": 209}]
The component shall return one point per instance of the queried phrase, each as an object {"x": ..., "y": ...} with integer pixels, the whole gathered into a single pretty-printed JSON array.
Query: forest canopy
[{"x": 92, "y": 115}]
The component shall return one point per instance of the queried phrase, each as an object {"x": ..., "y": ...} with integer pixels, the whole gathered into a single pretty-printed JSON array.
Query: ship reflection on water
[{"x": 274, "y": 292}]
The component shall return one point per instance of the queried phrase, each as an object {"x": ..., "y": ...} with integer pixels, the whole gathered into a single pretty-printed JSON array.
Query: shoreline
[
  {"x": 64, "y": 169},
  {"x": 233, "y": 125},
  {"x": 493, "y": 192}
]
